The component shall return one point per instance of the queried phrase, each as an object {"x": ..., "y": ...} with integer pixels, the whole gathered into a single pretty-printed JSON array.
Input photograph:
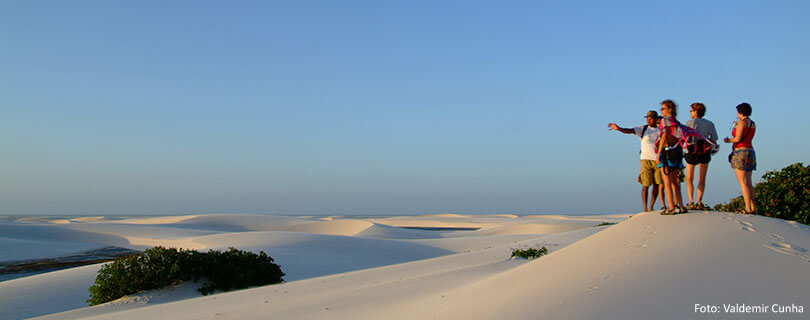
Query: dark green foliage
[
  {"x": 734, "y": 205},
  {"x": 530, "y": 253},
  {"x": 783, "y": 194},
  {"x": 605, "y": 224},
  {"x": 233, "y": 269},
  {"x": 160, "y": 267},
  {"x": 154, "y": 268}
]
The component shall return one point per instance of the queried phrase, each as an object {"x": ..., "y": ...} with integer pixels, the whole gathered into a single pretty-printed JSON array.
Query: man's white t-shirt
[{"x": 647, "y": 142}]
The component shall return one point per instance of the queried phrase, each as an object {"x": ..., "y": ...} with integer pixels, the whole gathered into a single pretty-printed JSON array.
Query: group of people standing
[{"x": 663, "y": 140}]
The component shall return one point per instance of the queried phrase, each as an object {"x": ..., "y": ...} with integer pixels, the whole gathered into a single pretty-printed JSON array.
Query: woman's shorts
[
  {"x": 649, "y": 174},
  {"x": 673, "y": 156},
  {"x": 695, "y": 159},
  {"x": 744, "y": 159}
]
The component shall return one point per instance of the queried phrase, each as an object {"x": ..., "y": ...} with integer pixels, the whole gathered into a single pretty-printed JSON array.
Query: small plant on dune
[
  {"x": 159, "y": 267},
  {"x": 604, "y": 224},
  {"x": 530, "y": 253},
  {"x": 782, "y": 194}
]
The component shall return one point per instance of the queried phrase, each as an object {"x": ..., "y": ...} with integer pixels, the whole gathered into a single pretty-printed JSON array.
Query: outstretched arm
[{"x": 613, "y": 126}]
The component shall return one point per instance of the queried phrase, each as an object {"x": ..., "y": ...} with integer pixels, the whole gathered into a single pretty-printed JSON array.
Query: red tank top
[{"x": 748, "y": 135}]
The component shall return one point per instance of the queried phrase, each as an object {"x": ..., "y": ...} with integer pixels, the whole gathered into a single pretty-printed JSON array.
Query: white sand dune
[
  {"x": 333, "y": 227},
  {"x": 646, "y": 267},
  {"x": 151, "y": 220},
  {"x": 446, "y": 215},
  {"x": 87, "y": 219},
  {"x": 534, "y": 228},
  {"x": 46, "y": 293},
  {"x": 506, "y": 215},
  {"x": 424, "y": 222},
  {"x": 652, "y": 267},
  {"x": 242, "y": 222}
]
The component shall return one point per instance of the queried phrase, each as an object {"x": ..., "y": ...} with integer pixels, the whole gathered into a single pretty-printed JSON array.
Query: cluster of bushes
[
  {"x": 530, "y": 253},
  {"x": 160, "y": 267},
  {"x": 783, "y": 194}
]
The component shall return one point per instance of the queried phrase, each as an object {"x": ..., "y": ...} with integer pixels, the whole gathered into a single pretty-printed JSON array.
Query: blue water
[{"x": 83, "y": 258}]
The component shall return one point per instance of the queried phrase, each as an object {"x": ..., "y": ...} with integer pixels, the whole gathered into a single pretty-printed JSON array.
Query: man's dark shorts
[{"x": 695, "y": 159}]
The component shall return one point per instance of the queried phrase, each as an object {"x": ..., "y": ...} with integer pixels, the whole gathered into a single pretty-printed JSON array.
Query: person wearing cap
[{"x": 649, "y": 174}]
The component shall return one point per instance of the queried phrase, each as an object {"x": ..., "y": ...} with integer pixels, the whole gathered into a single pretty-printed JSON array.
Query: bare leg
[
  {"x": 661, "y": 194},
  {"x": 644, "y": 197},
  {"x": 654, "y": 196},
  {"x": 676, "y": 186},
  {"x": 668, "y": 188},
  {"x": 690, "y": 176},
  {"x": 751, "y": 192},
  {"x": 704, "y": 167},
  {"x": 744, "y": 178}
]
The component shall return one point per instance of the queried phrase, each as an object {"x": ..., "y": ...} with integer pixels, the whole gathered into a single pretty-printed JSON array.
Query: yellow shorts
[{"x": 649, "y": 173}]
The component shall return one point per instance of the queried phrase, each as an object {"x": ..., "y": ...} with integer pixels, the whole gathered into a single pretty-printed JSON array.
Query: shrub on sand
[
  {"x": 159, "y": 267},
  {"x": 782, "y": 194},
  {"x": 604, "y": 224},
  {"x": 530, "y": 253}
]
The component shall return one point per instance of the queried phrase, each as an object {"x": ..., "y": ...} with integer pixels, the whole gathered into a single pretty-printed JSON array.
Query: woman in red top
[{"x": 743, "y": 158}]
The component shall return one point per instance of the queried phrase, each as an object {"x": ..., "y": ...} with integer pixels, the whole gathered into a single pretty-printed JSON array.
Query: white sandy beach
[{"x": 645, "y": 267}]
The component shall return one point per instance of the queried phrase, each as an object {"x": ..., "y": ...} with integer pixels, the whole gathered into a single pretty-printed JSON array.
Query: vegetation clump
[
  {"x": 782, "y": 194},
  {"x": 530, "y": 253},
  {"x": 604, "y": 224},
  {"x": 159, "y": 267}
]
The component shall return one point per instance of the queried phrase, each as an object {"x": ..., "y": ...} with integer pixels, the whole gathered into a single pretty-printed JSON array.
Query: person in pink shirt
[{"x": 670, "y": 156}]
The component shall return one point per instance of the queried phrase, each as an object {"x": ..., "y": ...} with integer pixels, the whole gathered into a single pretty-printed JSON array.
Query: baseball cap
[{"x": 652, "y": 113}]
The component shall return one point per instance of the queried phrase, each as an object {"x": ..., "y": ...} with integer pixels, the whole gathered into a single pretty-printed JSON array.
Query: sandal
[
  {"x": 668, "y": 212},
  {"x": 703, "y": 207},
  {"x": 691, "y": 206},
  {"x": 683, "y": 210}
]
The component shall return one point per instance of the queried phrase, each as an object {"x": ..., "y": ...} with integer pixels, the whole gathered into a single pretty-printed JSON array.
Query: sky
[{"x": 378, "y": 107}]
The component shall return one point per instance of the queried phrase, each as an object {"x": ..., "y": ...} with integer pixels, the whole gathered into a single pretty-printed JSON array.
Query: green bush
[
  {"x": 734, "y": 205},
  {"x": 783, "y": 194},
  {"x": 604, "y": 224},
  {"x": 530, "y": 253},
  {"x": 159, "y": 267},
  {"x": 233, "y": 269}
]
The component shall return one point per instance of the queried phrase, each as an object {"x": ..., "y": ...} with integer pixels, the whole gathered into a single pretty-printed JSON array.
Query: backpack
[
  {"x": 698, "y": 146},
  {"x": 688, "y": 134}
]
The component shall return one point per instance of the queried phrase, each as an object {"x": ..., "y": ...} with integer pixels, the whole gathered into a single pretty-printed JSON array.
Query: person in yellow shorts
[{"x": 649, "y": 174}]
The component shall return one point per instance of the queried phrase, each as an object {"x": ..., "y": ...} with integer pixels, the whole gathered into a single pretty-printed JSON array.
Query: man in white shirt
[{"x": 649, "y": 173}]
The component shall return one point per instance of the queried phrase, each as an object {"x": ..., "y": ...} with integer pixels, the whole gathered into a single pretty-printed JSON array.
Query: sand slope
[
  {"x": 646, "y": 267},
  {"x": 650, "y": 267}
]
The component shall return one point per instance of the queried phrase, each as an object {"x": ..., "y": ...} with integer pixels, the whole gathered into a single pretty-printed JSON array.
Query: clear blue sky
[{"x": 378, "y": 107}]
